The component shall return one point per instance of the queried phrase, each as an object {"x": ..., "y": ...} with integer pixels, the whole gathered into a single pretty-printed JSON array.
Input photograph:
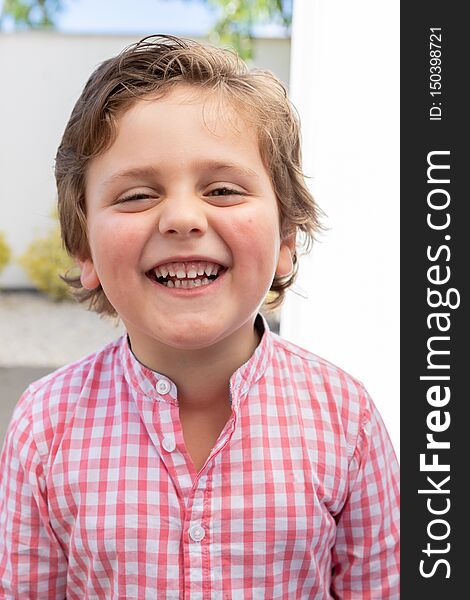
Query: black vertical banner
[{"x": 435, "y": 268}]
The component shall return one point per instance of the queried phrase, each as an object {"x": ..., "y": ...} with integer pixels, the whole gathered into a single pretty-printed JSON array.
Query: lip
[
  {"x": 195, "y": 291},
  {"x": 176, "y": 259}
]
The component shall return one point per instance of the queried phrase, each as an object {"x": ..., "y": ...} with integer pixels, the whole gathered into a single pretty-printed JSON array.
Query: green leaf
[
  {"x": 31, "y": 14},
  {"x": 237, "y": 19}
]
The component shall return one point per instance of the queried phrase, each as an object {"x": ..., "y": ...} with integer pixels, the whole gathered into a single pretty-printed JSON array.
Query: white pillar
[{"x": 345, "y": 84}]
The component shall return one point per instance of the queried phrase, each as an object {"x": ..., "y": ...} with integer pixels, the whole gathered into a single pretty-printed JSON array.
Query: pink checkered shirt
[{"x": 99, "y": 497}]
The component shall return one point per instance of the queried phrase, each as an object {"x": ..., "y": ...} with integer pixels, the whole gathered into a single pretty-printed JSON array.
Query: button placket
[{"x": 195, "y": 542}]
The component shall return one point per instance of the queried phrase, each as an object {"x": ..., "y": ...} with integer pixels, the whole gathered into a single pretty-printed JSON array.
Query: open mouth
[{"x": 186, "y": 275}]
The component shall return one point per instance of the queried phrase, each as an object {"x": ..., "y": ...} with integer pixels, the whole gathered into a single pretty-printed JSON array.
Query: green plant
[
  {"x": 31, "y": 14},
  {"x": 44, "y": 261},
  {"x": 5, "y": 253},
  {"x": 237, "y": 20}
]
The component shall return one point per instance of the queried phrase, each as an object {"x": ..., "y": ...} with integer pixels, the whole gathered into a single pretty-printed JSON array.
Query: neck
[{"x": 202, "y": 376}]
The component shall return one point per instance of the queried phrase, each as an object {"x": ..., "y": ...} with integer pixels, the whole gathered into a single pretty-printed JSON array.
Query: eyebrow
[
  {"x": 205, "y": 165},
  {"x": 228, "y": 167}
]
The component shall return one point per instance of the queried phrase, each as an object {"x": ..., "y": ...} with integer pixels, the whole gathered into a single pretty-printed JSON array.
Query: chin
[{"x": 192, "y": 336}]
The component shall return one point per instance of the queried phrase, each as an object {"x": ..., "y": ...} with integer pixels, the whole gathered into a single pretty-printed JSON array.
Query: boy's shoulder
[
  {"x": 49, "y": 402},
  {"x": 75, "y": 373},
  {"x": 307, "y": 361},
  {"x": 317, "y": 382}
]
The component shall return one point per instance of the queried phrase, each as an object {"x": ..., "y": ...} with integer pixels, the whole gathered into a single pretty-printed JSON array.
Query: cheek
[
  {"x": 257, "y": 240},
  {"x": 241, "y": 230},
  {"x": 115, "y": 243}
]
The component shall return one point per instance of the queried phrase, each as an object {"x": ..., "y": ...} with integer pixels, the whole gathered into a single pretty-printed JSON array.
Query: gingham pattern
[{"x": 99, "y": 498}]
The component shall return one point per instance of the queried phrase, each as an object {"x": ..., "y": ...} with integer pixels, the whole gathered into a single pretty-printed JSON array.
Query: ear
[
  {"x": 88, "y": 275},
  {"x": 285, "y": 263}
]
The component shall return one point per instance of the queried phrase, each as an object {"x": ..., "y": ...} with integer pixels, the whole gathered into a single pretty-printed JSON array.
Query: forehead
[
  {"x": 218, "y": 112},
  {"x": 183, "y": 128},
  {"x": 184, "y": 118}
]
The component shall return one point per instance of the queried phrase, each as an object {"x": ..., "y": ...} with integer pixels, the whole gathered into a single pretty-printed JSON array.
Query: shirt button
[
  {"x": 163, "y": 386},
  {"x": 169, "y": 443},
  {"x": 197, "y": 533}
]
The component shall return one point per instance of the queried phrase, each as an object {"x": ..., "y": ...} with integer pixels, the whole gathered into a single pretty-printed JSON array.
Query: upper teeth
[{"x": 190, "y": 270}]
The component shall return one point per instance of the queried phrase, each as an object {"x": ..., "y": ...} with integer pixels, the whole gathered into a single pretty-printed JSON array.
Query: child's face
[{"x": 177, "y": 185}]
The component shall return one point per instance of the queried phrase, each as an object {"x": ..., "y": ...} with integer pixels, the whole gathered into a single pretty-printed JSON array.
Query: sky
[
  {"x": 189, "y": 17},
  {"x": 184, "y": 17}
]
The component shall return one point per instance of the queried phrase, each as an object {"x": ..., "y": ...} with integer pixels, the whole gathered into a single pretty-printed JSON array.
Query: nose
[{"x": 183, "y": 216}]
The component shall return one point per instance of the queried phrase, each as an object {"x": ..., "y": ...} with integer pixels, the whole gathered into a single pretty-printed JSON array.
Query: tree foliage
[
  {"x": 31, "y": 14},
  {"x": 237, "y": 19},
  {"x": 234, "y": 26}
]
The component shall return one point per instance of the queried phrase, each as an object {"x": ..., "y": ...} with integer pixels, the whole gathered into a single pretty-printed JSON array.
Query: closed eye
[
  {"x": 225, "y": 191},
  {"x": 136, "y": 196}
]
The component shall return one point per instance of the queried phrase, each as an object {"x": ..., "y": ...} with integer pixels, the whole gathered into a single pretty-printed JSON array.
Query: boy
[{"x": 200, "y": 456}]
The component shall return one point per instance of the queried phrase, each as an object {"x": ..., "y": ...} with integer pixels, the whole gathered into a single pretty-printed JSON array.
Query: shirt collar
[{"x": 159, "y": 387}]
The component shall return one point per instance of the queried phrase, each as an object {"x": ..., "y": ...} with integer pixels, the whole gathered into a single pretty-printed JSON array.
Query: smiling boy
[
  {"x": 200, "y": 456},
  {"x": 179, "y": 191}
]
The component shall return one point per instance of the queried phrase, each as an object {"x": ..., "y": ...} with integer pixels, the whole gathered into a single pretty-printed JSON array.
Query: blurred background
[{"x": 339, "y": 60}]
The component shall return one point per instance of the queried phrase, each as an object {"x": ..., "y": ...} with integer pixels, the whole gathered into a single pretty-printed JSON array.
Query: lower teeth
[{"x": 186, "y": 283}]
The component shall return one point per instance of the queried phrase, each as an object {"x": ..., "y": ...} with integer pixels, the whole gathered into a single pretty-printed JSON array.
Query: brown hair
[{"x": 152, "y": 67}]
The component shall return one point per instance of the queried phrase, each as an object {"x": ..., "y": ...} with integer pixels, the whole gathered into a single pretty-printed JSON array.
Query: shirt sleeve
[
  {"x": 32, "y": 563},
  {"x": 365, "y": 557}
]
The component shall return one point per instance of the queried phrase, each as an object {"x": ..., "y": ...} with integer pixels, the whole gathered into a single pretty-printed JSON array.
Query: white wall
[
  {"x": 345, "y": 84},
  {"x": 42, "y": 75}
]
